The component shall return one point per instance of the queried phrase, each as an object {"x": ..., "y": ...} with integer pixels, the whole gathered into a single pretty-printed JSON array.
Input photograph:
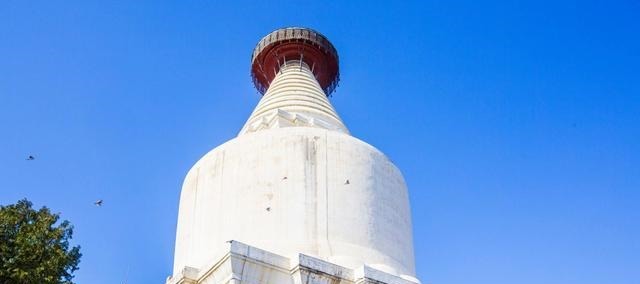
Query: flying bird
[
  {"x": 347, "y": 182},
  {"x": 30, "y": 158},
  {"x": 98, "y": 203}
]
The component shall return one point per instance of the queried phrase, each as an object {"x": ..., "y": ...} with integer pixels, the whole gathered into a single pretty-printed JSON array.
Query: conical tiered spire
[{"x": 294, "y": 98}]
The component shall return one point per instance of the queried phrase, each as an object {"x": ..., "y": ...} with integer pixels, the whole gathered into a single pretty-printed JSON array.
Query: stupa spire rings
[{"x": 299, "y": 44}]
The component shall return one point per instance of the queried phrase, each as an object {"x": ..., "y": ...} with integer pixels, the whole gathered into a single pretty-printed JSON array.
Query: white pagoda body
[{"x": 294, "y": 198}]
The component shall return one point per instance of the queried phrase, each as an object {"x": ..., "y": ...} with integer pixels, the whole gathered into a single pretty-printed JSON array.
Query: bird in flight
[
  {"x": 30, "y": 158},
  {"x": 98, "y": 203}
]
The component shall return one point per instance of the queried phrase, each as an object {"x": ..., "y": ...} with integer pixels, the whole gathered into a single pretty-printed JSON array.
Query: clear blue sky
[{"x": 516, "y": 124}]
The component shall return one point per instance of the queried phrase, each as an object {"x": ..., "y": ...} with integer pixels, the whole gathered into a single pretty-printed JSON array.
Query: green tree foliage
[{"x": 34, "y": 246}]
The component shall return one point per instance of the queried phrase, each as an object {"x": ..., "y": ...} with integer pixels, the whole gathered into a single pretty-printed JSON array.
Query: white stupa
[{"x": 294, "y": 198}]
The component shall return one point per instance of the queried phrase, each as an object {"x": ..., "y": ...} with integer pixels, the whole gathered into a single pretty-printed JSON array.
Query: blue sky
[{"x": 516, "y": 124}]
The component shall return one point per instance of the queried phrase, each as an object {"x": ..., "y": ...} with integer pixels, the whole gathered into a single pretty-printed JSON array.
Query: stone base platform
[{"x": 244, "y": 264}]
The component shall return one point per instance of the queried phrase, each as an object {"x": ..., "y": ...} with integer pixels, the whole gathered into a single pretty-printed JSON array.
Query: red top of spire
[{"x": 288, "y": 44}]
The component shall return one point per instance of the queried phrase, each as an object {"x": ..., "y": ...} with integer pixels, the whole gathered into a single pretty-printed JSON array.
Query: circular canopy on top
[{"x": 303, "y": 44}]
